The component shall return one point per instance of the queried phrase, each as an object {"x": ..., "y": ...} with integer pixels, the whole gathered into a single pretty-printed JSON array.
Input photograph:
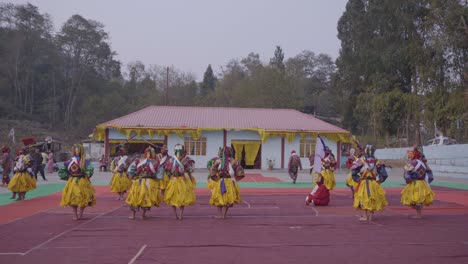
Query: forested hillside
[{"x": 402, "y": 74}]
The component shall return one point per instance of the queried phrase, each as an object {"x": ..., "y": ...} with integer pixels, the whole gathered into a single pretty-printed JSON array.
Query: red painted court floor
[{"x": 270, "y": 226}]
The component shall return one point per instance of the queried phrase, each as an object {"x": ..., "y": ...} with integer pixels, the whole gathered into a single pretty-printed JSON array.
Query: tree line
[{"x": 401, "y": 73}]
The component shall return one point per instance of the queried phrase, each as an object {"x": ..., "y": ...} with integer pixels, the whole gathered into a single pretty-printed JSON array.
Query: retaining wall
[{"x": 451, "y": 160}]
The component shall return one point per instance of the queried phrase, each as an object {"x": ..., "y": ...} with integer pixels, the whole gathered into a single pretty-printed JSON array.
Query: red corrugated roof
[{"x": 222, "y": 117}]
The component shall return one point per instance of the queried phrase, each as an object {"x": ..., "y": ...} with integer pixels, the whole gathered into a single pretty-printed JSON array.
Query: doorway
[{"x": 248, "y": 153}]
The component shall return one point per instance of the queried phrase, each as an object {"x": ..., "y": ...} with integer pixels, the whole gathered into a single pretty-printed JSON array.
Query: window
[
  {"x": 307, "y": 147},
  {"x": 195, "y": 147}
]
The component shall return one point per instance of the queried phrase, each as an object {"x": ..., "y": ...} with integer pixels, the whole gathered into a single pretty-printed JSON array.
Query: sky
[{"x": 190, "y": 34}]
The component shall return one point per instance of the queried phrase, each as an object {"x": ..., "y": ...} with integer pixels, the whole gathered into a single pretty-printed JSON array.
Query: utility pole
[{"x": 167, "y": 86}]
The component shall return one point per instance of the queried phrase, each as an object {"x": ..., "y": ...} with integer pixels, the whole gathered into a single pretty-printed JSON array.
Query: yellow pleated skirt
[
  {"x": 350, "y": 182},
  {"x": 180, "y": 191},
  {"x": 144, "y": 193},
  {"x": 164, "y": 182},
  {"x": 120, "y": 182},
  {"x": 369, "y": 195},
  {"x": 22, "y": 182},
  {"x": 78, "y": 192},
  {"x": 230, "y": 197},
  {"x": 417, "y": 192},
  {"x": 328, "y": 179}
]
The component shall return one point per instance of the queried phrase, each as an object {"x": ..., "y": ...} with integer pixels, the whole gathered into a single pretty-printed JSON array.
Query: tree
[
  {"x": 277, "y": 60},
  {"x": 312, "y": 74},
  {"x": 87, "y": 54},
  {"x": 209, "y": 82}
]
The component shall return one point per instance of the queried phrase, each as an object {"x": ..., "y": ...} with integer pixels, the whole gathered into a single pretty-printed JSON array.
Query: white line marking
[
  {"x": 248, "y": 205},
  {"x": 12, "y": 253},
  {"x": 137, "y": 255},
  {"x": 68, "y": 231}
]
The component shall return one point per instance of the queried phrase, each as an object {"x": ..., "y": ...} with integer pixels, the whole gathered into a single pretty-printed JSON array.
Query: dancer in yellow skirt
[
  {"x": 145, "y": 191},
  {"x": 120, "y": 182},
  {"x": 355, "y": 153},
  {"x": 23, "y": 179},
  {"x": 369, "y": 173},
  {"x": 418, "y": 175},
  {"x": 78, "y": 192},
  {"x": 323, "y": 175},
  {"x": 162, "y": 174},
  {"x": 225, "y": 191},
  {"x": 180, "y": 191}
]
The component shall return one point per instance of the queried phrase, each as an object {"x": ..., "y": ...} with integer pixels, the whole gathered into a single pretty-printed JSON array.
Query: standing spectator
[
  {"x": 44, "y": 160},
  {"x": 311, "y": 162},
  {"x": 103, "y": 163},
  {"x": 6, "y": 164},
  {"x": 294, "y": 165},
  {"x": 50, "y": 162},
  {"x": 37, "y": 164}
]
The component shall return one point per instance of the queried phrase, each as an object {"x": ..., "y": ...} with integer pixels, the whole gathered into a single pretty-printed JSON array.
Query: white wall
[
  {"x": 295, "y": 145},
  {"x": 451, "y": 160},
  {"x": 94, "y": 151},
  {"x": 271, "y": 149},
  {"x": 214, "y": 140}
]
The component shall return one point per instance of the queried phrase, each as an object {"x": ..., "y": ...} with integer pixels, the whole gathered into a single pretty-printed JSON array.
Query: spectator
[
  {"x": 37, "y": 164},
  {"x": 294, "y": 165},
  {"x": 44, "y": 160},
  {"x": 51, "y": 162},
  {"x": 103, "y": 163}
]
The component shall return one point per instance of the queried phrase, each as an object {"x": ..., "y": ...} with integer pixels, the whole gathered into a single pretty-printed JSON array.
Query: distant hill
[{"x": 28, "y": 128}]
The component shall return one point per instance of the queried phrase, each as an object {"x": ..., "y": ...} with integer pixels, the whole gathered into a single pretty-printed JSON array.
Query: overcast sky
[{"x": 191, "y": 34}]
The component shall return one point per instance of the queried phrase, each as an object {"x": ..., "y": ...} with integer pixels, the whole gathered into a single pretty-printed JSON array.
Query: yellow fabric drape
[
  {"x": 251, "y": 150},
  {"x": 238, "y": 149},
  {"x": 342, "y": 136}
]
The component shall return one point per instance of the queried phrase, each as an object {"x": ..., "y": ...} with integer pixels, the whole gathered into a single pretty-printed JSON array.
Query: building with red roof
[{"x": 260, "y": 137}]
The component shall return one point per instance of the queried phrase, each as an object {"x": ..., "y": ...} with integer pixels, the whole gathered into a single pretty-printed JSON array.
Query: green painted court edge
[
  {"x": 46, "y": 189},
  {"x": 41, "y": 190}
]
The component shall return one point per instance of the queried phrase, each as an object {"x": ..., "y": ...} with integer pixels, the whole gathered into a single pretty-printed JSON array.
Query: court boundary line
[
  {"x": 137, "y": 255},
  {"x": 68, "y": 231},
  {"x": 11, "y": 253}
]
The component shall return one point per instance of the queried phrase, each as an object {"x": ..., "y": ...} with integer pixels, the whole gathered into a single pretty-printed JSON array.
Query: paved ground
[
  {"x": 304, "y": 179},
  {"x": 395, "y": 176},
  {"x": 272, "y": 224}
]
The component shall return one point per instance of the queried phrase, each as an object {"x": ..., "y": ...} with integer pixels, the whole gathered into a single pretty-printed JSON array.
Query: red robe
[{"x": 321, "y": 197}]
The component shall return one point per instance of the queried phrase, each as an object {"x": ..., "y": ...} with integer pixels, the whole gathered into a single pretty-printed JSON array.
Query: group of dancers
[
  {"x": 365, "y": 179},
  {"x": 154, "y": 178}
]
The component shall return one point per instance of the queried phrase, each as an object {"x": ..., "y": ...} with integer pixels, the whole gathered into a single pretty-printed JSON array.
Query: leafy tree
[
  {"x": 278, "y": 60},
  {"x": 209, "y": 82},
  {"x": 86, "y": 54},
  {"x": 312, "y": 74}
]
